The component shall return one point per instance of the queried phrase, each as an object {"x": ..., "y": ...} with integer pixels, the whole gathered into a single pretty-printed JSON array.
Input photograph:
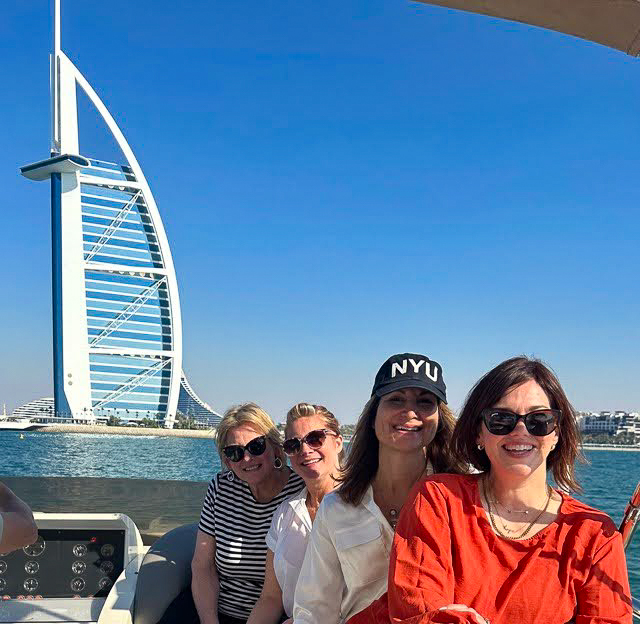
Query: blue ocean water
[{"x": 608, "y": 479}]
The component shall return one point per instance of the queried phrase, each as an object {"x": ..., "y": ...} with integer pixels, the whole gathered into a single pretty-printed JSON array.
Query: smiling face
[
  {"x": 314, "y": 464},
  {"x": 407, "y": 419},
  {"x": 519, "y": 454},
  {"x": 253, "y": 470}
]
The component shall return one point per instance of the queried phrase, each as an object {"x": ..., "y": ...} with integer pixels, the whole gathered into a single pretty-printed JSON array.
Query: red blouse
[{"x": 445, "y": 552}]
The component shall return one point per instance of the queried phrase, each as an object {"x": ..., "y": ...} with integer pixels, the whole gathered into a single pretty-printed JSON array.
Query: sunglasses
[
  {"x": 315, "y": 439},
  {"x": 235, "y": 452},
  {"x": 538, "y": 423}
]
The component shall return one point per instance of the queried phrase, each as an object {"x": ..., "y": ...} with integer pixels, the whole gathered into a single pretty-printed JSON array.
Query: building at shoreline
[
  {"x": 117, "y": 325},
  {"x": 610, "y": 423}
]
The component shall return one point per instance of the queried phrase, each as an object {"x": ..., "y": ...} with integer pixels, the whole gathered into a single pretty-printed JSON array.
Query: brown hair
[
  {"x": 254, "y": 416},
  {"x": 362, "y": 461},
  {"x": 491, "y": 388},
  {"x": 307, "y": 410}
]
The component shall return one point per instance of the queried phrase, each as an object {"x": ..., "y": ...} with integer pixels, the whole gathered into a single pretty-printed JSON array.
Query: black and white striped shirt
[{"x": 239, "y": 525}]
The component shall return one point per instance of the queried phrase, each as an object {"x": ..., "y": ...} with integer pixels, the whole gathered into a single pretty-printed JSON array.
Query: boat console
[{"x": 80, "y": 566}]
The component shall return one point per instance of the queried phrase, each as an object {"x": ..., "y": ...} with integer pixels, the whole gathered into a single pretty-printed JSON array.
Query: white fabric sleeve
[
  {"x": 276, "y": 527},
  {"x": 321, "y": 584}
]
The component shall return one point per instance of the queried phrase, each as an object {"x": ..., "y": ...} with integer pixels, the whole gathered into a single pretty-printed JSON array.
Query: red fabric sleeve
[
  {"x": 604, "y": 596},
  {"x": 421, "y": 576}
]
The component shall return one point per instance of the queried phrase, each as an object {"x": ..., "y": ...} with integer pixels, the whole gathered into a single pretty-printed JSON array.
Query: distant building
[
  {"x": 40, "y": 409},
  {"x": 117, "y": 328},
  {"x": 612, "y": 423},
  {"x": 600, "y": 423},
  {"x": 192, "y": 406}
]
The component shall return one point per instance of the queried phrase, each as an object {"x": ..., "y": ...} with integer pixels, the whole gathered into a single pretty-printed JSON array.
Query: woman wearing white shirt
[
  {"x": 314, "y": 446},
  {"x": 402, "y": 435}
]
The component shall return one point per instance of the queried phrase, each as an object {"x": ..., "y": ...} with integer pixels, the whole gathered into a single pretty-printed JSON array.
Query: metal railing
[{"x": 627, "y": 528}]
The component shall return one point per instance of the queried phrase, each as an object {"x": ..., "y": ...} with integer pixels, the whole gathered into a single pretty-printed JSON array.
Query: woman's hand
[
  {"x": 288, "y": 621},
  {"x": 464, "y": 609}
]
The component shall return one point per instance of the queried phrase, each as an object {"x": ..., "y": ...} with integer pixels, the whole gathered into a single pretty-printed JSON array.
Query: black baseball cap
[{"x": 410, "y": 370}]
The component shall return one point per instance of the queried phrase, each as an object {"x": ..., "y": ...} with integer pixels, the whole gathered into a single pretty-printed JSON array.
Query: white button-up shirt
[
  {"x": 347, "y": 561},
  {"x": 287, "y": 539}
]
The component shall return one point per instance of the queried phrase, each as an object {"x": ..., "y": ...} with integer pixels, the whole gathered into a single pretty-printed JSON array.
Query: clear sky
[{"x": 344, "y": 180}]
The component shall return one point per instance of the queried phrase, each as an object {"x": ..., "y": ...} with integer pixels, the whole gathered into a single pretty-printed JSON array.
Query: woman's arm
[
  {"x": 268, "y": 609},
  {"x": 605, "y": 597},
  {"x": 205, "y": 583},
  {"x": 321, "y": 583},
  {"x": 18, "y": 528}
]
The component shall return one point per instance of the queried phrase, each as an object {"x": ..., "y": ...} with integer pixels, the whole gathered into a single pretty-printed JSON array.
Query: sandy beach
[
  {"x": 604, "y": 447},
  {"x": 127, "y": 431}
]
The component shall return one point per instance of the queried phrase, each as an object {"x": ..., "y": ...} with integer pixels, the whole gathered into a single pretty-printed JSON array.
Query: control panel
[
  {"x": 64, "y": 563},
  {"x": 82, "y": 568}
]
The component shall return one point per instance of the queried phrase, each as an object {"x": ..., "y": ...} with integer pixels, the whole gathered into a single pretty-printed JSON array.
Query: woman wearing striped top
[{"x": 229, "y": 560}]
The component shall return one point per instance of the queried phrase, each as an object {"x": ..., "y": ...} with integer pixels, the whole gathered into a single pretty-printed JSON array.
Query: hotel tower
[{"x": 117, "y": 329}]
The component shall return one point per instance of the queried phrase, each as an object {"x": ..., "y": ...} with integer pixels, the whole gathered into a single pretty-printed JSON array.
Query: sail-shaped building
[{"x": 117, "y": 328}]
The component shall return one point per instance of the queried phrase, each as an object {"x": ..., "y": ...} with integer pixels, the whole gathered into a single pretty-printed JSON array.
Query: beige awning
[{"x": 614, "y": 23}]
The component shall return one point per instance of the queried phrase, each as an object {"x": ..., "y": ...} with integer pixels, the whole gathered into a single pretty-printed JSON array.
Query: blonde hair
[
  {"x": 254, "y": 416},
  {"x": 307, "y": 410}
]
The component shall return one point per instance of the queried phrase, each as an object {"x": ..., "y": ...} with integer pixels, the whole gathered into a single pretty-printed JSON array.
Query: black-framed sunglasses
[
  {"x": 235, "y": 452},
  {"x": 538, "y": 423},
  {"x": 315, "y": 439}
]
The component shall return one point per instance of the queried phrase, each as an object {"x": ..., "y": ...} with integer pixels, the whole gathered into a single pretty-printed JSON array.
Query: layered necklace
[{"x": 506, "y": 532}]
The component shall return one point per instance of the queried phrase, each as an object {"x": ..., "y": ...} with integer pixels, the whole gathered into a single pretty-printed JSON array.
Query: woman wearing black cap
[{"x": 402, "y": 435}]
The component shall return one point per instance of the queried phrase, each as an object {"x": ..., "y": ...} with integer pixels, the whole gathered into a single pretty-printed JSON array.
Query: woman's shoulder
[
  {"x": 225, "y": 480},
  {"x": 592, "y": 522},
  {"x": 450, "y": 484},
  {"x": 288, "y": 505},
  {"x": 332, "y": 501},
  {"x": 334, "y": 507},
  {"x": 225, "y": 485}
]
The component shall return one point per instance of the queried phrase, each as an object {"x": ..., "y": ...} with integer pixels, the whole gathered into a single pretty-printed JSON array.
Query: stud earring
[
  {"x": 277, "y": 464},
  {"x": 553, "y": 446}
]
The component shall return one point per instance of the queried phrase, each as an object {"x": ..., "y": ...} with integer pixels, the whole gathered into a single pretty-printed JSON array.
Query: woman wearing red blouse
[{"x": 503, "y": 546}]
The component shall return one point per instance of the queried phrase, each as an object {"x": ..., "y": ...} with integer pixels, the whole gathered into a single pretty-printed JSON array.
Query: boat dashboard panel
[
  {"x": 64, "y": 563},
  {"x": 78, "y": 565}
]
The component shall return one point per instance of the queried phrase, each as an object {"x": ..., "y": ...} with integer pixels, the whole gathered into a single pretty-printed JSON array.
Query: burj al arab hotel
[{"x": 117, "y": 329}]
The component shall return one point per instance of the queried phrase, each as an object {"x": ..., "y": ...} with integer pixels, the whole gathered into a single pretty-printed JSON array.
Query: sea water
[{"x": 608, "y": 479}]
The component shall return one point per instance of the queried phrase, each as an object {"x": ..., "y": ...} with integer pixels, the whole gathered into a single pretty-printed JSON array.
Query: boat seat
[{"x": 164, "y": 573}]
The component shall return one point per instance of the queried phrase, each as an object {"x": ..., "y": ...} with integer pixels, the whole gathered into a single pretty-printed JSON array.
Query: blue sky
[{"x": 344, "y": 181}]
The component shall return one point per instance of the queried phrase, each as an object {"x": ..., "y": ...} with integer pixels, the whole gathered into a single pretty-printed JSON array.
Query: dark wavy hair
[
  {"x": 362, "y": 461},
  {"x": 491, "y": 388}
]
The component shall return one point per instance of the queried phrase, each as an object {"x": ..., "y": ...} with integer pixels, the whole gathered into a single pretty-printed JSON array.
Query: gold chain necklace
[
  {"x": 503, "y": 522},
  {"x": 527, "y": 529}
]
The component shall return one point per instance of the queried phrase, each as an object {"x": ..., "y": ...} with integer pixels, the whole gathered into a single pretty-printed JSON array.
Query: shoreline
[
  {"x": 124, "y": 431},
  {"x": 613, "y": 447}
]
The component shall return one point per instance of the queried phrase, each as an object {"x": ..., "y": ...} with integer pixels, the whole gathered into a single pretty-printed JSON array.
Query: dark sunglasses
[
  {"x": 315, "y": 439},
  {"x": 538, "y": 423},
  {"x": 235, "y": 452}
]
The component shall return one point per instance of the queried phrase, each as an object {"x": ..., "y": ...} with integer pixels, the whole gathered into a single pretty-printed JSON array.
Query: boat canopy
[{"x": 613, "y": 23}]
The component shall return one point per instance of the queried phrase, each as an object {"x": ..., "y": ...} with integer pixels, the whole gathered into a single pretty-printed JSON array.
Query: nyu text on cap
[{"x": 410, "y": 370}]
